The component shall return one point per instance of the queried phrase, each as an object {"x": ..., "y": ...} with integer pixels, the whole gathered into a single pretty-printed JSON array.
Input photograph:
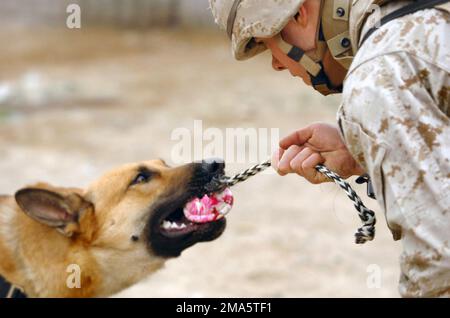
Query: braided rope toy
[{"x": 221, "y": 204}]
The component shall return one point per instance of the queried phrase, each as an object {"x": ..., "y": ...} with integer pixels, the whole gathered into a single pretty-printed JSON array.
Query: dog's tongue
[{"x": 210, "y": 207}]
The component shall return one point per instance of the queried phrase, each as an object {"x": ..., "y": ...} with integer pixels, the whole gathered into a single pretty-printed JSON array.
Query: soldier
[{"x": 391, "y": 61}]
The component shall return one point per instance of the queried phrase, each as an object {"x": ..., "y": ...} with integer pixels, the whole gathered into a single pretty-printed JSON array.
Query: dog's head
[{"x": 125, "y": 210}]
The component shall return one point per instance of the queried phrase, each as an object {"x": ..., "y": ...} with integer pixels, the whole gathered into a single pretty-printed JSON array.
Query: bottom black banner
[{"x": 217, "y": 306}]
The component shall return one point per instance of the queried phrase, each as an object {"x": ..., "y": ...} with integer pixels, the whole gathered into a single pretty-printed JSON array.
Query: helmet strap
[{"x": 319, "y": 79}]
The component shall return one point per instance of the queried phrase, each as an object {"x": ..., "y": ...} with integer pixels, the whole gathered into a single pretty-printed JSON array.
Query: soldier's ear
[
  {"x": 302, "y": 16},
  {"x": 61, "y": 211}
]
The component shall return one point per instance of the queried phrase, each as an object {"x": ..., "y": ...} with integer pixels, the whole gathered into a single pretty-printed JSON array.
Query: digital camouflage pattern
[{"x": 395, "y": 120}]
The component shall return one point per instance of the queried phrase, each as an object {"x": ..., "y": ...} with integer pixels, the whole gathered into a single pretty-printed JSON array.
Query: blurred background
[{"x": 77, "y": 102}]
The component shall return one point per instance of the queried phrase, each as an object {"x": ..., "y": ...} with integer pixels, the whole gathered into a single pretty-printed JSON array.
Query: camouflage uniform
[
  {"x": 395, "y": 120},
  {"x": 394, "y": 116}
]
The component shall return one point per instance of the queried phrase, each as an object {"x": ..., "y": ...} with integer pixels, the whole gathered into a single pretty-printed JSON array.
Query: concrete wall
[{"x": 118, "y": 13}]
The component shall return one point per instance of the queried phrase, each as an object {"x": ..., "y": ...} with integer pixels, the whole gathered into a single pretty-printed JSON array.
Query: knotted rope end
[{"x": 365, "y": 233}]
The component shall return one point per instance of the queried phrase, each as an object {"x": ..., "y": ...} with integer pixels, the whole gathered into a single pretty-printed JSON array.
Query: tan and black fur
[{"x": 111, "y": 230}]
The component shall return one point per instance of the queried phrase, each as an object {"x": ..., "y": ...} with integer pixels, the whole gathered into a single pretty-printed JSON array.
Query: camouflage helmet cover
[{"x": 250, "y": 19}]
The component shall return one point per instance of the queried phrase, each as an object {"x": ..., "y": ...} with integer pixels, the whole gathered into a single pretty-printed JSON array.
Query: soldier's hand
[{"x": 318, "y": 143}]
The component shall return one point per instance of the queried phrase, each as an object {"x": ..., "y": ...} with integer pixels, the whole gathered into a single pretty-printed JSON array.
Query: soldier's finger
[
  {"x": 299, "y": 138},
  {"x": 276, "y": 159},
  {"x": 297, "y": 162},
  {"x": 309, "y": 169},
  {"x": 284, "y": 164}
]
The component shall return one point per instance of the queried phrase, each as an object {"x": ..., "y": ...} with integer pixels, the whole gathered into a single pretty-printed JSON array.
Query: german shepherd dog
[{"x": 112, "y": 231}]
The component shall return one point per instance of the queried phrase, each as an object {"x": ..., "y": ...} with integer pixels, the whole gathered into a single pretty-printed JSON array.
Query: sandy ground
[{"x": 109, "y": 97}]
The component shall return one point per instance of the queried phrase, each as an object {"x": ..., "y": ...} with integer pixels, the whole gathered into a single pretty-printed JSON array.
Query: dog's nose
[{"x": 213, "y": 165}]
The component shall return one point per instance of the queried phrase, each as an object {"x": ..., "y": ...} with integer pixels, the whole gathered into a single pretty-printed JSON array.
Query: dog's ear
[{"x": 59, "y": 210}]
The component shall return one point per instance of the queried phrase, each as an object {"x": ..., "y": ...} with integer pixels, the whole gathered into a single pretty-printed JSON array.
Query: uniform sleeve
[{"x": 395, "y": 121}]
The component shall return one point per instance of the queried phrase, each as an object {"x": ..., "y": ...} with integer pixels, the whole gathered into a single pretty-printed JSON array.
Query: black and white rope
[
  {"x": 365, "y": 233},
  {"x": 244, "y": 175}
]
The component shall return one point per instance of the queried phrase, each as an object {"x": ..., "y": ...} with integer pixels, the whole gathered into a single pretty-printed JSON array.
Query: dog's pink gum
[{"x": 210, "y": 207}]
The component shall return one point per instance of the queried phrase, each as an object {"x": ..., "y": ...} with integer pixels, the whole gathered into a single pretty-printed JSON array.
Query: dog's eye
[{"x": 142, "y": 177}]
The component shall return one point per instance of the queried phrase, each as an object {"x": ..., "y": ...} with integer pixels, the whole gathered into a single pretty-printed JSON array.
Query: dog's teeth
[{"x": 167, "y": 225}]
